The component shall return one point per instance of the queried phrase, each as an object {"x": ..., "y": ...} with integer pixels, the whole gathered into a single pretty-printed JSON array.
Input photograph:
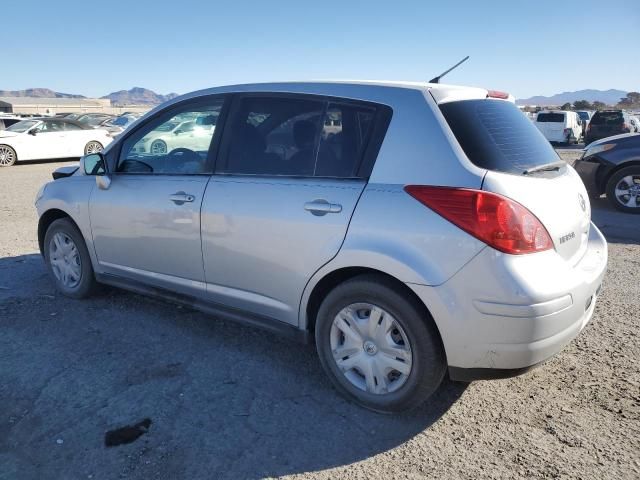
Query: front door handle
[
  {"x": 180, "y": 198},
  {"x": 322, "y": 207}
]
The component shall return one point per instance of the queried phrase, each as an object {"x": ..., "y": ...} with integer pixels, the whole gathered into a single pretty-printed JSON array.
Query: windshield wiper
[{"x": 549, "y": 167}]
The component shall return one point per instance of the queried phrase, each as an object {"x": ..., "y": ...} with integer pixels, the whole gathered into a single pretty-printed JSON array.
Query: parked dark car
[
  {"x": 606, "y": 123},
  {"x": 612, "y": 166}
]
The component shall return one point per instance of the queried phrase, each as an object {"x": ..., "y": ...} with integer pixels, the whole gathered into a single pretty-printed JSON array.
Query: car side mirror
[
  {"x": 178, "y": 132},
  {"x": 33, "y": 132},
  {"x": 95, "y": 164}
]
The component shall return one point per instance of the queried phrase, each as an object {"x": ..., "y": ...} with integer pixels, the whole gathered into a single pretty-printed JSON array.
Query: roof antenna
[{"x": 437, "y": 79}]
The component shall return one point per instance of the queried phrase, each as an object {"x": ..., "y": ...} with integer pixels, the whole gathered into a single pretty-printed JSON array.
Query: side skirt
[{"x": 211, "y": 308}]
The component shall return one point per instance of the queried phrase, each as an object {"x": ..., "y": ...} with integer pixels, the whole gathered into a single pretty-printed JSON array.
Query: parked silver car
[{"x": 412, "y": 230}]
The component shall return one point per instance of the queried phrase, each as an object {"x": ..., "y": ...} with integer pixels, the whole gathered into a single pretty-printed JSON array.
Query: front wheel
[
  {"x": 7, "y": 156},
  {"x": 379, "y": 346},
  {"x": 67, "y": 259},
  {"x": 623, "y": 189}
]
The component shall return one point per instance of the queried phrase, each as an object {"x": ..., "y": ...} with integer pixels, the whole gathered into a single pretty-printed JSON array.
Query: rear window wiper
[{"x": 548, "y": 167}]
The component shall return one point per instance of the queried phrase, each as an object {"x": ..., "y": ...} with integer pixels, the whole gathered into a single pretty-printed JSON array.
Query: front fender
[{"x": 70, "y": 195}]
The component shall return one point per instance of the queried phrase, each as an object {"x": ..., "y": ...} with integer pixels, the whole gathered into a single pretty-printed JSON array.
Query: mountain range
[
  {"x": 610, "y": 97},
  {"x": 143, "y": 96},
  {"x": 135, "y": 96}
]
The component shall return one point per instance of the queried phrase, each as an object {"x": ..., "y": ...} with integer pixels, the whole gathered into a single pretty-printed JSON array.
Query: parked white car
[
  {"x": 47, "y": 138},
  {"x": 559, "y": 126},
  {"x": 194, "y": 134}
]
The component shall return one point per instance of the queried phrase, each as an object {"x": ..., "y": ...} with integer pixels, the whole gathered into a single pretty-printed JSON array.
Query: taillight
[
  {"x": 625, "y": 126},
  {"x": 567, "y": 131},
  {"x": 498, "y": 221}
]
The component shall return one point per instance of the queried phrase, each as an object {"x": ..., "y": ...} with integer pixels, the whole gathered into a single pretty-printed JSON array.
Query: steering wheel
[
  {"x": 184, "y": 154},
  {"x": 185, "y": 160}
]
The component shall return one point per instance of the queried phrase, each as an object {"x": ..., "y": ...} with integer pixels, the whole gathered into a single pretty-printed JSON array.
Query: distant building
[{"x": 51, "y": 106}]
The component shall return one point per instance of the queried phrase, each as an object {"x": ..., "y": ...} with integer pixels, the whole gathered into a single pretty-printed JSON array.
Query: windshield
[
  {"x": 121, "y": 121},
  {"x": 93, "y": 121},
  {"x": 550, "y": 118},
  {"x": 22, "y": 126},
  {"x": 495, "y": 135}
]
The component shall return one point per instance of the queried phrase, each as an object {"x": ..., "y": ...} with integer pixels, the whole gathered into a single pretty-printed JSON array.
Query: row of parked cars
[
  {"x": 561, "y": 126},
  {"x": 60, "y": 136}
]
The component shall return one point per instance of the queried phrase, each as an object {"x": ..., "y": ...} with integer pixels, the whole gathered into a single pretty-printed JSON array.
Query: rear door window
[
  {"x": 550, "y": 118},
  {"x": 301, "y": 136},
  {"x": 607, "y": 118},
  {"x": 495, "y": 135}
]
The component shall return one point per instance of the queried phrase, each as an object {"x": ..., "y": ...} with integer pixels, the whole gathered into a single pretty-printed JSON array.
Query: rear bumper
[{"x": 508, "y": 313}]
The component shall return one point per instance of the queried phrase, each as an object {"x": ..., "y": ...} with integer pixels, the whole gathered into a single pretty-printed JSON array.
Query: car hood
[{"x": 613, "y": 138}]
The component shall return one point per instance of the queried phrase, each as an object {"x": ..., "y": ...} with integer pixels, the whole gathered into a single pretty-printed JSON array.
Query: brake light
[
  {"x": 497, "y": 94},
  {"x": 498, "y": 221},
  {"x": 625, "y": 126}
]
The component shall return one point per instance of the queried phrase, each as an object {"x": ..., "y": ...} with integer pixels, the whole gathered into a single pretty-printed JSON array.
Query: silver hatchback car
[{"x": 413, "y": 230}]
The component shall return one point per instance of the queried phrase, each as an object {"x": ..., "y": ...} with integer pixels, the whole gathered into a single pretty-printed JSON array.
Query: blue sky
[{"x": 526, "y": 48}]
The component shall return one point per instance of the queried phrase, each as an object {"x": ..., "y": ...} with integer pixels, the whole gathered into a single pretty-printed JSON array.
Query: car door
[
  {"x": 47, "y": 140},
  {"x": 279, "y": 205},
  {"x": 146, "y": 225}
]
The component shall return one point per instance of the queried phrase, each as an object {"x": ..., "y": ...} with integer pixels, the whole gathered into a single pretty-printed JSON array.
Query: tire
[
  {"x": 93, "y": 147},
  {"x": 626, "y": 177},
  {"x": 60, "y": 258},
  {"x": 8, "y": 156},
  {"x": 158, "y": 147},
  {"x": 385, "y": 389}
]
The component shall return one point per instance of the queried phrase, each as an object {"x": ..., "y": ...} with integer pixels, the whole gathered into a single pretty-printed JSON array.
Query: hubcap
[
  {"x": 627, "y": 191},
  {"x": 65, "y": 260},
  {"x": 371, "y": 348},
  {"x": 6, "y": 156},
  {"x": 93, "y": 147},
  {"x": 158, "y": 148}
]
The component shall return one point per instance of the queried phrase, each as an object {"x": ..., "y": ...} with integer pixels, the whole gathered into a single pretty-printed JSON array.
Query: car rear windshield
[
  {"x": 495, "y": 135},
  {"x": 550, "y": 118},
  {"x": 607, "y": 118}
]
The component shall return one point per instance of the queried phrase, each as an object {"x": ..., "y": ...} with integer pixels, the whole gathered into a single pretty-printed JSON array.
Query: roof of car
[
  {"x": 347, "y": 88},
  {"x": 58, "y": 119}
]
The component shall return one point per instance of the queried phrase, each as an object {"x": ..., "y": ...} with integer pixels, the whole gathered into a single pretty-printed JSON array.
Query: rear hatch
[
  {"x": 522, "y": 165},
  {"x": 551, "y": 125},
  {"x": 606, "y": 123}
]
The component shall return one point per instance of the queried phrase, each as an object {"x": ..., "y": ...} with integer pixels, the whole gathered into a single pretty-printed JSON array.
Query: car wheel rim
[
  {"x": 6, "y": 156},
  {"x": 93, "y": 147},
  {"x": 627, "y": 191},
  {"x": 65, "y": 260},
  {"x": 371, "y": 348},
  {"x": 158, "y": 148}
]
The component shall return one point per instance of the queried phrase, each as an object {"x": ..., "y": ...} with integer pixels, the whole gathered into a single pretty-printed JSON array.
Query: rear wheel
[
  {"x": 67, "y": 259},
  {"x": 379, "y": 347},
  {"x": 623, "y": 189},
  {"x": 7, "y": 156},
  {"x": 158, "y": 147},
  {"x": 93, "y": 147}
]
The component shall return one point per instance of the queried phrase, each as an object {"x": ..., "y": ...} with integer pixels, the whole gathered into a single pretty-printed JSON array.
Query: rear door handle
[
  {"x": 322, "y": 207},
  {"x": 180, "y": 198}
]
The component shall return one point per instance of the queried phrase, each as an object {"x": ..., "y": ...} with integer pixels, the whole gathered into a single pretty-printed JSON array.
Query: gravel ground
[{"x": 227, "y": 401}]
